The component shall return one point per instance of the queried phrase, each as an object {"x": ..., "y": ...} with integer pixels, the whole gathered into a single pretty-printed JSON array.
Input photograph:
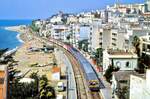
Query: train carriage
[{"x": 89, "y": 73}]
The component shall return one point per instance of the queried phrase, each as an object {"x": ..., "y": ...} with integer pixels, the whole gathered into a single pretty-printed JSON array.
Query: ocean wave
[{"x": 19, "y": 39}]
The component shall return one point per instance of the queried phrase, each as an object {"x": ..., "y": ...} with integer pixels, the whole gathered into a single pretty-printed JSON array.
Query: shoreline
[
  {"x": 19, "y": 38},
  {"x": 18, "y": 30}
]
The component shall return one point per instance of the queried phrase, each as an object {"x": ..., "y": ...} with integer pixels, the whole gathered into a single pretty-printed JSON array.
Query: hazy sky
[{"x": 31, "y": 9}]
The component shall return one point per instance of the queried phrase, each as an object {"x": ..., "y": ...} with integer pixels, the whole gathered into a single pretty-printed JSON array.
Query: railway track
[
  {"x": 82, "y": 90},
  {"x": 79, "y": 78},
  {"x": 95, "y": 95},
  {"x": 81, "y": 87}
]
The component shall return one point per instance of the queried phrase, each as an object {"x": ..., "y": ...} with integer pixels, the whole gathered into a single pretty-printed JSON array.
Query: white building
[
  {"x": 139, "y": 86},
  {"x": 94, "y": 37},
  {"x": 86, "y": 18},
  {"x": 124, "y": 8},
  {"x": 120, "y": 80},
  {"x": 56, "y": 19},
  {"x": 145, "y": 44},
  {"x": 84, "y": 32},
  {"x": 72, "y": 19},
  {"x": 131, "y": 18},
  {"x": 59, "y": 31},
  {"x": 56, "y": 73},
  {"x": 107, "y": 37},
  {"x": 123, "y": 60},
  {"x": 74, "y": 31}
]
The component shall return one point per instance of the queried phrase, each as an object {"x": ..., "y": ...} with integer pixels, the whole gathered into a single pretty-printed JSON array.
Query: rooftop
[
  {"x": 55, "y": 69},
  {"x": 120, "y": 53},
  {"x": 123, "y": 75}
]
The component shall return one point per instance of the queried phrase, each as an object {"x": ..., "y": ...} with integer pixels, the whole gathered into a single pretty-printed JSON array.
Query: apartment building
[
  {"x": 74, "y": 34},
  {"x": 107, "y": 37},
  {"x": 59, "y": 31},
  {"x": 94, "y": 36},
  {"x": 128, "y": 8},
  {"x": 139, "y": 86},
  {"x": 145, "y": 44},
  {"x": 3, "y": 82},
  {"x": 72, "y": 19}
]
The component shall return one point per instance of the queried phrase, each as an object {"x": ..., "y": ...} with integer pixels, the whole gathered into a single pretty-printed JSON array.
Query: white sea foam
[
  {"x": 19, "y": 39},
  {"x": 15, "y": 28}
]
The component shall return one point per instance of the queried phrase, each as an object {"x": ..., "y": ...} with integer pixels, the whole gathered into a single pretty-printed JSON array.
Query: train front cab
[{"x": 94, "y": 85}]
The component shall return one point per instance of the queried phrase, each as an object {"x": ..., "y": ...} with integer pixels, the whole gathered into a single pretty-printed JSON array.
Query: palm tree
[{"x": 49, "y": 95}]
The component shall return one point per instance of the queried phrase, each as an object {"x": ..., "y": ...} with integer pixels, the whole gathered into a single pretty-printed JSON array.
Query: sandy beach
[
  {"x": 26, "y": 58},
  {"x": 15, "y": 28}
]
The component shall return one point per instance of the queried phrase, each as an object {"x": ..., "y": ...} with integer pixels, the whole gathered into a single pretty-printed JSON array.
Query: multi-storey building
[
  {"x": 139, "y": 86},
  {"x": 3, "y": 82},
  {"x": 74, "y": 34},
  {"x": 107, "y": 37},
  {"x": 59, "y": 32}
]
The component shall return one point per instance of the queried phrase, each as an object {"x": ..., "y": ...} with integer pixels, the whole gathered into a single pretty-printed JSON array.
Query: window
[
  {"x": 100, "y": 43},
  {"x": 127, "y": 64},
  {"x": 100, "y": 33},
  {"x": 123, "y": 81},
  {"x": 113, "y": 44},
  {"x": 118, "y": 64}
]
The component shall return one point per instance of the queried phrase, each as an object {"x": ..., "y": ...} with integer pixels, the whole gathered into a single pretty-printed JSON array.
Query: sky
[{"x": 34, "y": 9}]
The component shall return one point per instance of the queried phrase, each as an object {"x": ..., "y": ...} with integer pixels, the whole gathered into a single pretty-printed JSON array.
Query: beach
[
  {"x": 26, "y": 58},
  {"x": 18, "y": 29}
]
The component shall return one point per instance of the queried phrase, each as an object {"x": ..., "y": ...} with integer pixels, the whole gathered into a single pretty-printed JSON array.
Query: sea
[{"x": 8, "y": 39}]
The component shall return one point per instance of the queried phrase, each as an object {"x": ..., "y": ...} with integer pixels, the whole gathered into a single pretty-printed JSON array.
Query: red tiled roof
[{"x": 55, "y": 69}]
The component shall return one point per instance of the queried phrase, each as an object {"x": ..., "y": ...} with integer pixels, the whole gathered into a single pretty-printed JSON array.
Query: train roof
[
  {"x": 91, "y": 76},
  {"x": 86, "y": 66}
]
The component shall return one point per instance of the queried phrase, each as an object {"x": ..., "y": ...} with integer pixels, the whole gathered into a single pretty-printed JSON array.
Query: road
[{"x": 71, "y": 84}]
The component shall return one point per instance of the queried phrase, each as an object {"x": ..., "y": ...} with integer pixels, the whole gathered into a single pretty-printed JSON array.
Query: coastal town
[{"x": 99, "y": 54}]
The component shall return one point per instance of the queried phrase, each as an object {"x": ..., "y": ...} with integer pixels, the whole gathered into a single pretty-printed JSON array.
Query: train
[
  {"x": 89, "y": 73},
  {"x": 91, "y": 77}
]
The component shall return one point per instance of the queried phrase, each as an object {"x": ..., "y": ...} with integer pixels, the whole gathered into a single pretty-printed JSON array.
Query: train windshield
[{"x": 93, "y": 83}]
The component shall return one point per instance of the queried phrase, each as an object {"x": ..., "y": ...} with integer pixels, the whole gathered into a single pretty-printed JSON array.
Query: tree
[
  {"x": 22, "y": 90},
  {"x": 43, "y": 94},
  {"x": 49, "y": 95},
  {"x": 46, "y": 91},
  {"x": 35, "y": 76},
  {"x": 34, "y": 27},
  {"x": 98, "y": 55},
  {"x": 123, "y": 93},
  {"x": 43, "y": 84},
  {"x": 109, "y": 71},
  {"x": 136, "y": 44},
  {"x": 83, "y": 44},
  {"x": 44, "y": 78}
]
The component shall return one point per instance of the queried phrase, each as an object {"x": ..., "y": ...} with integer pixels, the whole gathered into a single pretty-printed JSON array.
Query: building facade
[
  {"x": 139, "y": 86},
  {"x": 3, "y": 82},
  {"x": 123, "y": 60}
]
